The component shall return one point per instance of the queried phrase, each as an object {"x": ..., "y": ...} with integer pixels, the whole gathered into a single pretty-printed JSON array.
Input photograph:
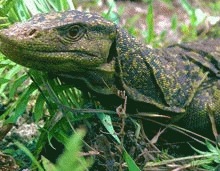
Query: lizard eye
[
  {"x": 71, "y": 33},
  {"x": 75, "y": 32}
]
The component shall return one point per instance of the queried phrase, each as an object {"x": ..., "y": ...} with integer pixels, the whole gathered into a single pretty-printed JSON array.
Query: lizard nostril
[{"x": 32, "y": 32}]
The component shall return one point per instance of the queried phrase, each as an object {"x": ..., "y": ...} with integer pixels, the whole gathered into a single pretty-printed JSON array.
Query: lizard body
[{"x": 182, "y": 79}]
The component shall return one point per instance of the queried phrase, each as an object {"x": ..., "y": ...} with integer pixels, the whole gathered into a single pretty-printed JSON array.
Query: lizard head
[{"x": 65, "y": 42}]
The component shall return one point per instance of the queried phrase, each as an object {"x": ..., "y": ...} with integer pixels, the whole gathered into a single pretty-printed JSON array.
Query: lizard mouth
[
  {"x": 13, "y": 46},
  {"x": 48, "y": 59},
  {"x": 56, "y": 55}
]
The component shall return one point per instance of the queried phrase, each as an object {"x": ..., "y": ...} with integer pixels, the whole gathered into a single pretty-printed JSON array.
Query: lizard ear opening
[{"x": 112, "y": 52}]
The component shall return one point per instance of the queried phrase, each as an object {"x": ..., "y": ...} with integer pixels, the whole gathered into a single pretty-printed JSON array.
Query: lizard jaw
[{"x": 46, "y": 59}]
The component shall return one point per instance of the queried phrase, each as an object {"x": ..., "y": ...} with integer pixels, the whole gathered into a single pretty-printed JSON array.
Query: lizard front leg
[{"x": 197, "y": 113}]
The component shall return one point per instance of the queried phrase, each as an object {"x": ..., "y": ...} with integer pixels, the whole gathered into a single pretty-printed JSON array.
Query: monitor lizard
[{"x": 182, "y": 79}]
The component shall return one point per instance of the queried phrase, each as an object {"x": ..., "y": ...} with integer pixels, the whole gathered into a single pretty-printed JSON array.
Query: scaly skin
[{"x": 182, "y": 80}]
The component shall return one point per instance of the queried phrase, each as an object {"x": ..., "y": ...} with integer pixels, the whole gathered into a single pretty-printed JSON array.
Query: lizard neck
[
  {"x": 131, "y": 55},
  {"x": 133, "y": 67},
  {"x": 127, "y": 45}
]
